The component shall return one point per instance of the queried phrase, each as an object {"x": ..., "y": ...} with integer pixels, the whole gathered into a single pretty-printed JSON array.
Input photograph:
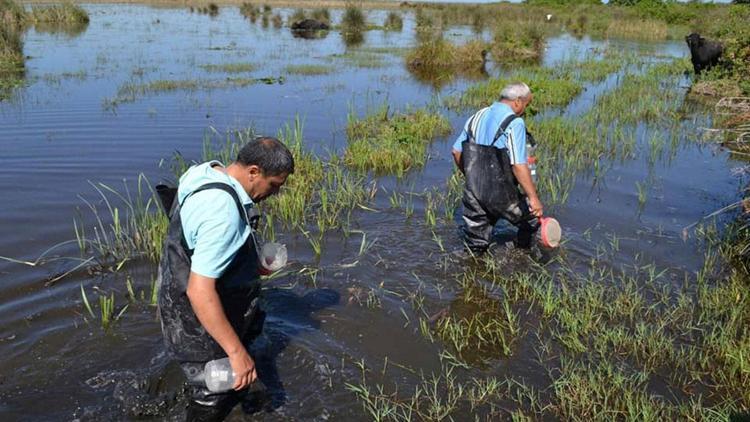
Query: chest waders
[
  {"x": 185, "y": 338},
  {"x": 491, "y": 191}
]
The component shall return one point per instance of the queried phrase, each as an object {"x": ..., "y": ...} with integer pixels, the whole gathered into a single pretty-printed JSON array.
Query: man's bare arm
[
  {"x": 207, "y": 306},
  {"x": 457, "y": 159},
  {"x": 523, "y": 175}
]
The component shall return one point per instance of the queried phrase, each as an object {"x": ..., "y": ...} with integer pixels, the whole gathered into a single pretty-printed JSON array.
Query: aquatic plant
[
  {"x": 131, "y": 91},
  {"x": 322, "y": 14},
  {"x": 12, "y": 67},
  {"x": 440, "y": 59},
  {"x": 277, "y": 20},
  {"x": 66, "y": 13},
  {"x": 12, "y": 15},
  {"x": 549, "y": 89},
  {"x": 298, "y": 15},
  {"x": 392, "y": 143},
  {"x": 308, "y": 69},
  {"x": 106, "y": 309},
  {"x": 524, "y": 42},
  {"x": 353, "y": 20},
  {"x": 130, "y": 226},
  {"x": 229, "y": 67},
  {"x": 250, "y": 11},
  {"x": 393, "y": 22}
]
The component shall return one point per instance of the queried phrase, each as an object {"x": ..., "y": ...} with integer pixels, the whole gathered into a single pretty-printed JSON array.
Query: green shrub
[
  {"x": 353, "y": 19},
  {"x": 393, "y": 22},
  {"x": 322, "y": 15},
  {"x": 65, "y": 13}
]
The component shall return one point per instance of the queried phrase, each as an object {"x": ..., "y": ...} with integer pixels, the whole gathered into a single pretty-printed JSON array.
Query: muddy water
[{"x": 57, "y": 134}]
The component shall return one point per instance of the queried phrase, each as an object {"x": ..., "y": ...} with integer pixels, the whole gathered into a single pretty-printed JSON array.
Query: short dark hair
[{"x": 272, "y": 156}]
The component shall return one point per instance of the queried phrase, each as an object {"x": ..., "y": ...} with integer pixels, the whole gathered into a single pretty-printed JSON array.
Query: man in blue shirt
[
  {"x": 209, "y": 271},
  {"x": 498, "y": 127}
]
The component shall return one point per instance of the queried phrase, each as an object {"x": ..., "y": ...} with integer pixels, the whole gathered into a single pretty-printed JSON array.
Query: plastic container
[
  {"x": 218, "y": 375},
  {"x": 273, "y": 256},
  {"x": 550, "y": 231}
]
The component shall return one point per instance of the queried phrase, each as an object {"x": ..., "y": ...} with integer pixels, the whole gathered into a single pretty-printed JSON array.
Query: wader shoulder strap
[
  {"x": 503, "y": 126},
  {"x": 228, "y": 189},
  {"x": 470, "y": 131}
]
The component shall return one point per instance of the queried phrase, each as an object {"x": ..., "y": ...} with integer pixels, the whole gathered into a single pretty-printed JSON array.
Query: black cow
[{"x": 703, "y": 53}]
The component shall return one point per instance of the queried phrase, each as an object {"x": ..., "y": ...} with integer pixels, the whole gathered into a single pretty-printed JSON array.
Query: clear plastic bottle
[{"x": 219, "y": 375}]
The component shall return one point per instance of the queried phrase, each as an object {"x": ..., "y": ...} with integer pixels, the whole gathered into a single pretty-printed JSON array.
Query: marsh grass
[
  {"x": 132, "y": 91},
  {"x": 623, "y": 343},
  {"x": 647, "y": 29},
  {"x": 393, "y": 22},
  {"x": 322, "y": 14},
  {"x": 438, "y": 59},
  {"x": 250, "y": 11},
  {"x": 522, "y": 44},
  {"x": 353, "y": 20},
  {"x": 66, "y": 13},
  {"x": 229, "y": 67},
  {"x": 127, "y": 225},
  {"x": 107, "y": 305},
  {"x": 478, "y": 327},
  {"x": 549, "y": 88},
  {"x": 392, "y": 143},
  {"x": 12, "y": 66},
  {"x": 308, "y": 69}
]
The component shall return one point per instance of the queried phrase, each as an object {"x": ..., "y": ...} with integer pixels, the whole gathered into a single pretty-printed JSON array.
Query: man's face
[
  {"x": 520, "y": 104},
  {"x": 262, "y": 186}
]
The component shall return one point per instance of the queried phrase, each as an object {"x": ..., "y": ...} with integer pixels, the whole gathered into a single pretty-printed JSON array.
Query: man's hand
[
  {"x": 523, "y": 176},
  {"x": 244, "y": 369},
  {"x": 536, "y": 207}
]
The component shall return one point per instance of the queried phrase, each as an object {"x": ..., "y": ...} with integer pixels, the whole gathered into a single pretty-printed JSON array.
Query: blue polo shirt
[
  {"x": 485, "y": 125},
  {"x": 211, "y": 222}
]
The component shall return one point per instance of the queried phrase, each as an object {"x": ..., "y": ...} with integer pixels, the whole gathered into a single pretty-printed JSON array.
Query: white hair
[{"x": 515, "y": 91}]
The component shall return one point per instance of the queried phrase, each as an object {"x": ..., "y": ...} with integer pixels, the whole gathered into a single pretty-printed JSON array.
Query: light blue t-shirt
[
  {"x": 210, "y": 219},
  {"x": 485, "y": 126}
]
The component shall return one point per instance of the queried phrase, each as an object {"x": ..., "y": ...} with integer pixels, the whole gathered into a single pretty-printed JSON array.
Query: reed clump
[
  {"x": 392, "y": 143},
  {"x": 646, "y": 29},
  {"x": 523, "y": 41},
  {"x": 322, "y": 15},
  {"x": 309, "y": 69},
  {"x": 66, "y": 13},
  {"x": 250, "y": 11},
  {"x": 353, "y": 20},
  {"x": 12, "y": 66},
  {"x": 549, "y": 88},
  {"x": 439, "y": 56},
  {"x": 393, "y": 22}
]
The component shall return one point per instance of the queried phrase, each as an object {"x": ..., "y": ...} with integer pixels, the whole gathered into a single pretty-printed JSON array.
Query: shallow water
[{"x": 57, "y": 134}]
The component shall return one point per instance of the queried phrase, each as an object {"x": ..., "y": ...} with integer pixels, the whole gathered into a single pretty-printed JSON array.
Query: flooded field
[{"x": 375, "y": 317}]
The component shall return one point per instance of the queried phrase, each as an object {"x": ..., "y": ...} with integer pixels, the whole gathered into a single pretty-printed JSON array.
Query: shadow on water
[
  {"x": 287, "y": 316},
  {"x": 353, "y": 38},
  {"x": 159, "y": 391}
]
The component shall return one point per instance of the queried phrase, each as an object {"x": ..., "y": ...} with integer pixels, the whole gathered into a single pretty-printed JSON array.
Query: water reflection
[{"x": 353, "y": 38}]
